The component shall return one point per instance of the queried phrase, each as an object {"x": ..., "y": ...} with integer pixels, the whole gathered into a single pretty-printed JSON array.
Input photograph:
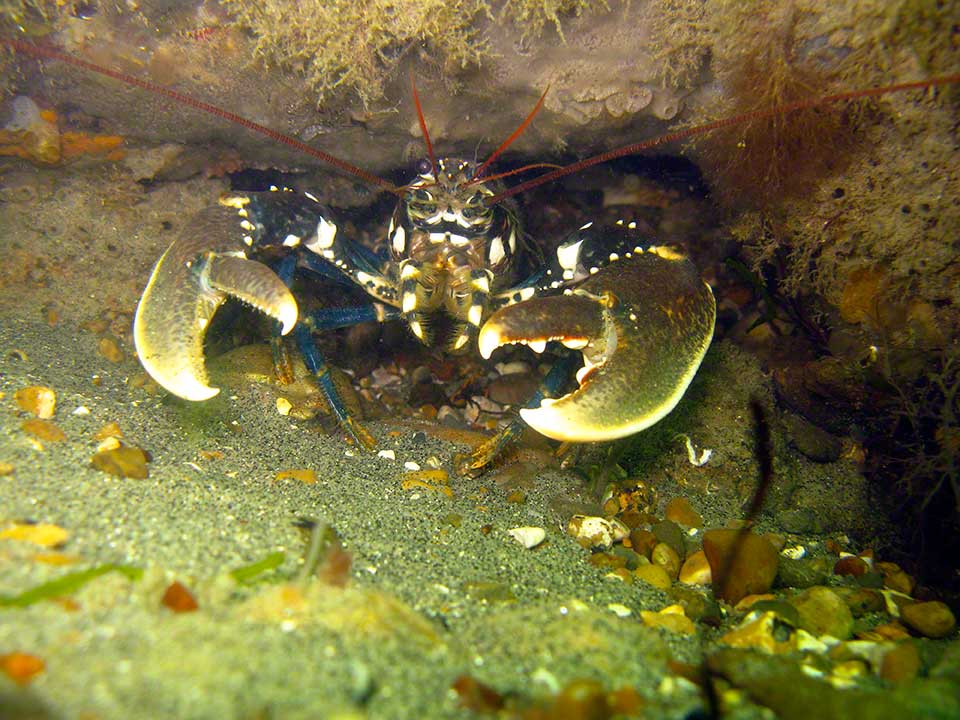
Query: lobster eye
[{"x": 424, "y": 167}]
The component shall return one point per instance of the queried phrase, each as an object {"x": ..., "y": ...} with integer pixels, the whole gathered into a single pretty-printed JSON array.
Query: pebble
[
  {"x": 124, "y": 461},
  {"x": 666, "y": 557},
  {"x": 37, "y": 400},
  {"x": 44, "y": 430},
  {"x": 679, "y": 511},
  {"x": 596, "y": 533},
  {"x": 43, "y": 534},
  {"x": 21, "y": 668},
  {"x": 642, "y": 542},
  {"x": 803, "y": 573},
  {"x": 932, "y": 619},
  {"x": 528, "y": 536},
  {"x": 178, "y": 599},
  {"x": 108, "y": 348},
  {"x": 304, "y": 475},
  {"x": 671, "y": 618},
  {"x": 902, "y": 663},
  {"x": 821, "y": 611},
  {"x": 751, "y": 572},
  {"x": 654, "y": 575},
  {"x": 850, "y": 565},
  {"x": 670, "y": 533},
  {"x": 895, "y": 578},
  {"x": 387, "y": 454},
  {"x": 695, "y": 569}
]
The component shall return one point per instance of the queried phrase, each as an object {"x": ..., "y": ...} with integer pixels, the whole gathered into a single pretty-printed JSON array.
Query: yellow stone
[
  {"x": 653, "y": 574},
  {"x": 38, "y": 400},
  {"x": 43, "y": 534},
  {"x": 304, "y": 475}
]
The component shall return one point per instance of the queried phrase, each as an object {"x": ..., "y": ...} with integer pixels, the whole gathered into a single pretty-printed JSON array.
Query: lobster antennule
[
  {"x": 423, "y": 124},
  {"x": 689, "y": 132},
  {"x": 516, "y": 133},
  {"x": 49, "y": 53}
]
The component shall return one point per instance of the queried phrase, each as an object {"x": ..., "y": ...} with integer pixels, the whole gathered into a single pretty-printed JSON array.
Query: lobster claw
[
  {"x": 643, "y": 324},
  {"x": 196, "y": 274}
]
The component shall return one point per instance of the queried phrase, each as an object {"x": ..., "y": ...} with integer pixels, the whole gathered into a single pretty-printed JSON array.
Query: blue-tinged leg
[
  {"x": 550, "y": 386},
  {"x": 317, "y": 366},
  {"x": 333, "y": 318},
  {"x": 303, "y": 334}
]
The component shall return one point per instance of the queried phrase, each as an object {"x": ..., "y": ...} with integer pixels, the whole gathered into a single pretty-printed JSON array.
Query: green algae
[{"x": 67, "y": 584}]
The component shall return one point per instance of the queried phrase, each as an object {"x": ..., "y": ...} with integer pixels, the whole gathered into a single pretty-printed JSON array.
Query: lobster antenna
[
  {"x": 48, "y": 53},
  {"x": 516, "y": 133},
  {"x": 423, "y": 123},
  {"x": 719, "y": 124}
]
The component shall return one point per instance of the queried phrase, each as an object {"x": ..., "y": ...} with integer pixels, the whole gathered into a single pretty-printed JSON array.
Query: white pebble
[
  {"x": 388, "y": 454},
  {"x": 794, "y": 553},
  {"x": 81, "y": 410},
  {"x": 410, "y": 465},
  {"x": 528, "y": 536},
  {"x": 284, "y": 406},
  {"x": 619, "y": 610}
]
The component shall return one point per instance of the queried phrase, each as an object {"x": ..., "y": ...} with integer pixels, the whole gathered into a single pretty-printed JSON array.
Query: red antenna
[
  {"x": 516, "y": 133},
  {"x": 423, "y": 124},
  {"x": 717, "y": 125},
  {"x": 48, "y": 53}
]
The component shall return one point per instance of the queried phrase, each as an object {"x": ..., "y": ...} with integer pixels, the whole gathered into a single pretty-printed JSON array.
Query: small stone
[
  {"x": 124, "y": 461},
  {"x": 284, "y": 406},
  {"x": 821, "y": 611},
  {"x": 44, "y": 430},
  {"x": 671, "y": 618},
  {"x": 670, "y": 533},
  {"x": 6, "y": 469},
  {"x": 679, "y": 511},
  {"x": 110, "y": 430},
  {"x": 619, "y": 609},
  {"x": 21, "y": 667},
  {"x": 895, "y": 578},
  {"x": 37, "y": 400},
  {"x": 861, "y": 601},
  {"x": 654, "y": 575},
  {"x": 528, "y": 536},
  {"x": 695, "y": 569},
  {"x": 387, "y": 454},
  {"x": 411, "y": 466},
  {"x": 304, "y": 475},
  {"x": 667, "y": 558},
  {"x": 757, "y": 631},
  {"x": 596, "y": 533},
  {"x": 931, "y": 619},
  {"x": 901, "y": 664},
  {"x": 43, "y": 534},
  {"x": 850, "y": 565},
  {"x": 642, "y": 542},
  {"x": 110, "y": 349},
  {"x": 178, "y": 599},
  {"x": 803, "y": 573},
  {"x": 751, "y": 571}
]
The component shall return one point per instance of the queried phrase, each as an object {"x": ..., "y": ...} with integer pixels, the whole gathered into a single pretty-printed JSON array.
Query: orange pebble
[
  {"x": 21, "y": 667},
  {"x": 178, "y": 598}
]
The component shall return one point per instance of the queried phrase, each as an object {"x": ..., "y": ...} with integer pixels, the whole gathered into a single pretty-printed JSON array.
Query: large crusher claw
[
  {"x": 198, "y": 272},
  {"x": 643, "y": 325}
]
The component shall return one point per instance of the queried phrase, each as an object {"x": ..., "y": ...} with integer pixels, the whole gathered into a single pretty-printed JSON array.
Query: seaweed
[
  {"x": 252, "y": 573},
  {"x": 67, "y": 584},
  {"x": 357, "y": 46}
]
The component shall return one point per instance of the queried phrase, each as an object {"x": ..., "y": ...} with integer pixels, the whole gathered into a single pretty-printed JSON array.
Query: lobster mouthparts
[{"x": 643, "y": 325}]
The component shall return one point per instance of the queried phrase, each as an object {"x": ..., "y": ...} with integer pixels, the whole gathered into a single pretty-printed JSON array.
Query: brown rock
[
  {"x": 850, "y": 565},
  {"x": 44, "y": 430},
  {"x": 178, "y": 598},
  {"x": 643, "y": 542},
  {"x": 823, "y": 612},
  {"x": 895, "y": 578},
  {"x": 679, "y": 511},
  {"x": 931, "y": 619},
  {"x": 901, "y": 664},
  {"x": 739, "y": 567}
]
